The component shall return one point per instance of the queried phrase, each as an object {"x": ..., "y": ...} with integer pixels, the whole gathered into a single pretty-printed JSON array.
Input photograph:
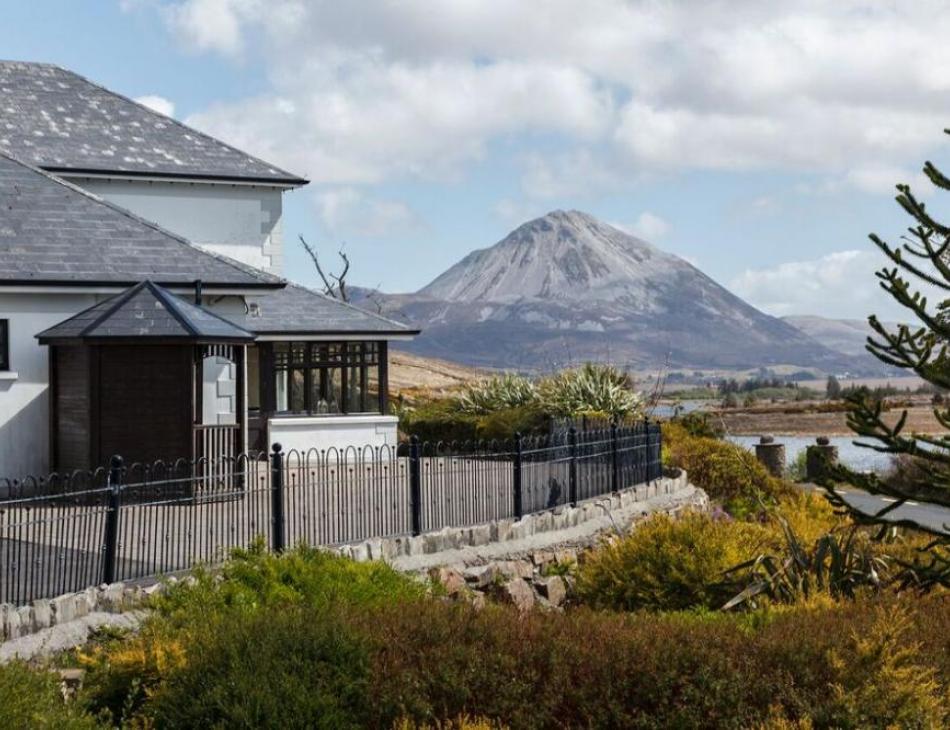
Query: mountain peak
[
  {"x": 566, "y": 287},
  {"x": 561, "y": 255}
]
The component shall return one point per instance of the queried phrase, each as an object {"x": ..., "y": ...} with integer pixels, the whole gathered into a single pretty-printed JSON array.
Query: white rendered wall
[
  {"x": 240, "y": 221},
  {"x": 326, "y": 432},
  {"x": 24, "y": 399}
]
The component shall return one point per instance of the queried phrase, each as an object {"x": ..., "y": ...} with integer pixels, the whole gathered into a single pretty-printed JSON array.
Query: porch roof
[
  {"x": 296, "y": 310},
  {"x": 148, "y": 312}
]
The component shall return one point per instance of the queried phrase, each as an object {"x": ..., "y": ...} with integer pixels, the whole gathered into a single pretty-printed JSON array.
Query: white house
[{"x": 108, "y": 209}]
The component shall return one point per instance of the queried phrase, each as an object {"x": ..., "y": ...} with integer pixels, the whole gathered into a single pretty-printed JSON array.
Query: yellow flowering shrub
[{"x": 669, "y": 563}]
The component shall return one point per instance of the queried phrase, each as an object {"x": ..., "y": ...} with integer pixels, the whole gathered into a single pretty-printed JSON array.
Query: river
[{"x": 854, "y": 457}]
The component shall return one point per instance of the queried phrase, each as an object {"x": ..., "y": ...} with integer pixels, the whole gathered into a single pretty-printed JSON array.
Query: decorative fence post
[
  {"x": 614, "y": 457},
  {"x": 277, "y": 497},
  {"x": 415, "y": 484},
  {"x": 112, "y": 521},
  {"x": 516, "y": 477},
  {"x": 572, "y": 471},
  {"x": 647, "y": 472}
]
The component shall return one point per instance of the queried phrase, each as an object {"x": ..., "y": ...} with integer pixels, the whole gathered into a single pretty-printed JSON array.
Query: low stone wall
[
  {"x": 393, "y": 549},
  {"x": 18, "y": 621},
  {"x": 405, "y": 553}
]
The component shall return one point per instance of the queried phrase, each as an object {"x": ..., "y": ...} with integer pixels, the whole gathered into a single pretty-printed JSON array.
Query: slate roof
[
  {"x": 63, "y": 122},
  {"x": 299, "y": 310},
  {"x": 53, "y": 232},
  {"x": 146, "y": 311}
]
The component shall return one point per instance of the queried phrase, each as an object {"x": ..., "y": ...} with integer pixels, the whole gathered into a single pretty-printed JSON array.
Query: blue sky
[{"x": 758, "y": 140}]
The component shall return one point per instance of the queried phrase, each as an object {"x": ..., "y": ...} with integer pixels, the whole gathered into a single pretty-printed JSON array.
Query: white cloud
[
  {"x": 647, "y": 226},
  {"x": 362, "y": 92},
  {"x": 650, "y": 226},
  {"x": 840, "y": 284},
  {"x": 347, "y": 211},
  {"x": 157, "y": 103}
]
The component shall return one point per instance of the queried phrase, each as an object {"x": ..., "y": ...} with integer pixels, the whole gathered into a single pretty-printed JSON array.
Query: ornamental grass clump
[
  {"x": 593, "y": 389},
  {"x": 497, "y": 393}
]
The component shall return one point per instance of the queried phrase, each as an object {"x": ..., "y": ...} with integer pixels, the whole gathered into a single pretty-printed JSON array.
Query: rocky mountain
[{"x": 567, "y": 287}]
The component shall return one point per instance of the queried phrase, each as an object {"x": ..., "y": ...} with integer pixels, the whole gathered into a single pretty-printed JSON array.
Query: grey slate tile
[
  {"x": 60, "y": 121},
  {"x": 51, "y": 230}
]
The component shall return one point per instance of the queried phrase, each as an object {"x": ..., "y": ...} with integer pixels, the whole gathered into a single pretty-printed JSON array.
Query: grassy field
[{"x": 787, "y": 419}]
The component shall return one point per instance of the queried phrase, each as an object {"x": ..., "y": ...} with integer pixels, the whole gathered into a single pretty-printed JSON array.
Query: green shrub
[
  {"x": 255, "y": 578},
  {"x": 727, "y": 472},
  {"x": 670, "y": 564},
  {"x": 32, "y": 698},
  {"x": 699, "y": 424},
  {"x": 601, "y": 390},
  {"x": 503, "y": 425},
  {"x": 426, "y": 661},
  {"x": 596, "y": 669},
  {"x": 292, "y": 668},
  {"x": 440, "y": 421},
  {"x": 122, "y": 674},
  {"x": 443, "y": 422}
]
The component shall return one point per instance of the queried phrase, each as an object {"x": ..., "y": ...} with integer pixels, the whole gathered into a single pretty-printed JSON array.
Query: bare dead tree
[{"x": 338, "y": 289}]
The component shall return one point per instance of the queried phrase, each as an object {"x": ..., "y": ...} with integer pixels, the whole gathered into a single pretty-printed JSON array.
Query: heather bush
[
  {"x": 598, "y": 669},
  {"x": 422, "y": 662},
  {"x": 293, "y": 668},
  {"x": 669, "y": 563},
  {"x": 32, "y": 698}
]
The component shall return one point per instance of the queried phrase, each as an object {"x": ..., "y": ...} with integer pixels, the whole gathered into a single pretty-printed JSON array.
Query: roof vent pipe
[{"x": 198, "y": 292}]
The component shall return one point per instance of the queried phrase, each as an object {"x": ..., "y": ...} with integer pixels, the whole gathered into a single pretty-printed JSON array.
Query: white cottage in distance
[{"x": 142, "y": 305}]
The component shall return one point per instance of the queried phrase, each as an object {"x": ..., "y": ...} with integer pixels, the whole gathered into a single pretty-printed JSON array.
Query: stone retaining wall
[{"x": 506, "y": 530}]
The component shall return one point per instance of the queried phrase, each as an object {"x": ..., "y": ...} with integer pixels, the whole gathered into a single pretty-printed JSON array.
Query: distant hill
[
  {"x": 567, "y": 287},
  {"x": 847, "y": 336},
  {"x": 411, "y": 372}
]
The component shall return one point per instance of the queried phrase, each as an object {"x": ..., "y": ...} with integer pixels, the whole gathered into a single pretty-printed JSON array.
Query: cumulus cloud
[
  {"x": 363, "y": 92},
  {"x": 347, "y": 211},
  {"x": 647, "y": 226},
  {"x": 157, "y": 103},
  {"x": 840, "y": 284}
]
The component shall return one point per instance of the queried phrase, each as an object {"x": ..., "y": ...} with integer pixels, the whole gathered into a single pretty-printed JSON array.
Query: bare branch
[{"x": 327, "y": 286}]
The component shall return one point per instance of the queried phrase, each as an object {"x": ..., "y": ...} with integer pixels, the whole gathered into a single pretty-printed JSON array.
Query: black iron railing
[{"x": 68, "y": 532}]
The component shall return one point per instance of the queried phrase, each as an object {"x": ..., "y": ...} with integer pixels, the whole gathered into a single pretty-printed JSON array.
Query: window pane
[
  {"x": 297, "y": 404},
  {"x": 325, "y": 389},
  {"x": 4, "y": 344},
  {"x": 281, "y": 354},
  {"x": 253, "y": 378},
  {"x": 353, "y": 390},
  {"x": 281, "y": 378},
  {"x": 372, "y": 389}
]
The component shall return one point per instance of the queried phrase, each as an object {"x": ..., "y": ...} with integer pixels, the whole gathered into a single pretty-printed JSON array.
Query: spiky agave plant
[
  {"x": 840, "y": 563},
  {"x": 592, "y": 388},
  {"x": 497, "y": 393}
]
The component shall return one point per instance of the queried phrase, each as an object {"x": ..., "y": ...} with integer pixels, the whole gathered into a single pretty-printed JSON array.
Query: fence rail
[{"x": 67, "y": 532}]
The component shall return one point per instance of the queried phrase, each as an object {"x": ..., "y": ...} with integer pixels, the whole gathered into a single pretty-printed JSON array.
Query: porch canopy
[{"x": 148, "y": 376}]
